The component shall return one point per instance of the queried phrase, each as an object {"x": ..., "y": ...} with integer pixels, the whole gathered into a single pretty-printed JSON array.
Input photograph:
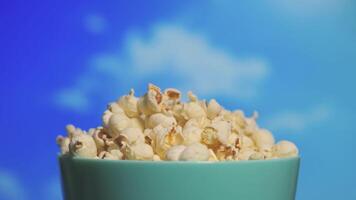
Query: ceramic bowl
[{"x": 90, "y": 179}]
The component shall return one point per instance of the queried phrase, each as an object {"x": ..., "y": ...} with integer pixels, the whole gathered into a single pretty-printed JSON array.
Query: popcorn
[
  {"x": 264, "y": 139},
  {"x": 193, "y": 109},
  {"x": 112, "y": 155},
  {"x": 216, "y": 134},
  {"x": 115, "y": 108},
  {"x": 106, "y": 118},
  {"x": 245, "y": 154},
  {"x": 137, "y": 122},
  {"x": 164, "y": 138},
  {"x": 174, "y": 152},
  {"x": 285, "y": 149},
  {"x": 171, "y": 97},
  {"x": 257, "y": 156},
  {"x": 223, "y": 131},
  {"x": 139, "y": 152},
  {"x": 81, "y": 144},
  {"x": 191, "y": 134},
  {"x": 156, "y": 158},
  {"x": 247, "y": 142},
  {"x": 101, "y": 139},
  {"x": 160, "y": 119},
  {"x": 117, "y": 123},
  {"x": 209, "y": 137},
  {"x": 213, "y": 109},
  {"x": 131, "y": 136},
  {"x": 195, "y": 152},
  {"x": 63, "y": 143},
  {"x": 129, "y": 104},
  {"x": 159, "y": 127},
  {"x": 151, "y": 102},
  {"x": 212, "y": 156},
  {"x": 200, "y": 122}
]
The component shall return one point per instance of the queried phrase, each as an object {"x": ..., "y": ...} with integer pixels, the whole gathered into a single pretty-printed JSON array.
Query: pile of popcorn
[{"x": 159, "y": 126}]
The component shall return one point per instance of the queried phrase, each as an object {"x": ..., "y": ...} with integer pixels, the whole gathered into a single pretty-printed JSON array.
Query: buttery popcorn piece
[
  {"x": 160, "y": 119},
  {"x": 117, "y": 123},
  {"x": 129, "y": 104},
  {"x": 264, "y": 139},
  {"x": 213, "y": 109},
  {"x": 139, "y": 152},
  {"x": 164, "y": 138},
  {"x": 191, "y": 134},
  {"x": 131, "y": 136},
  {"x": 112, "y": 155},
  {"x": 82, "y": 144},
  {"x": 285, "y": 149},
  {"x": 151, "y": 102},
  {"x": 63, "y": 143},
  {"x": 174, "y": 152},
  {"x": 195, "y": 152}
]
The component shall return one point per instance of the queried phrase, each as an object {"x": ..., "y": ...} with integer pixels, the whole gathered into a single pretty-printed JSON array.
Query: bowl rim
[{"x": 164, "y": 162}]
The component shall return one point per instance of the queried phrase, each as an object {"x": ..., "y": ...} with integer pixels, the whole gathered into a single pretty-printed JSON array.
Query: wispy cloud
[
  {"x": 169, "y": 56},
  {"x": 291, "y": 121},
  {"x": 95, "y": 24},
  {"x": 10, "y": 187}
]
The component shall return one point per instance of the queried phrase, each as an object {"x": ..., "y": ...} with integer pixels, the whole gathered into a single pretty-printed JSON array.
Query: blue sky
[{"x": 294, "y": 62}]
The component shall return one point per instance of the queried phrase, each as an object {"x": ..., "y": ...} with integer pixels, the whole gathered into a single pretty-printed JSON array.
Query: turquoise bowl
[{"x": 89, "y": 179}]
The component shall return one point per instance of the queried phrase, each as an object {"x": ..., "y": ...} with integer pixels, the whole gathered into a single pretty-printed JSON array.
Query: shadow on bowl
[{"x": 90, "y": 179}]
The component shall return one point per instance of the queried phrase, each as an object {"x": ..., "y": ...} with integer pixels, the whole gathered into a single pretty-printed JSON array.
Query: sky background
[{"x": 293, "y": 61}]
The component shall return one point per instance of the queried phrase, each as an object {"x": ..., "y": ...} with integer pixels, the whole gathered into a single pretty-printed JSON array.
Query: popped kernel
[
  {"x": 164, "y": 138},
  {"x": 195, "y": 152},
  {"x": 285, "y": 149},
  {"x": 151, "y": 102},
  {"x": 264, "y": 139},
  {"x": 160, "y": 119},
  {"x": 82, "y": 144},
  {"x": 129, "y": 104},
  {"x": 171, "y": 97},
  {"x": 112, "y": 155},
  {"x": 245, "y": 154},
  {"x": 131, "y": 136},
  {"x": 139, "y": 152},
  {"x": 212, "y": 156},
  {"x": 193, "y": 109},
  {"x": 101, "y": 138},
  {"x": 137, "y": 122},
  {"x": 158, "y": 126},
  {"x": 200, "y": 122},
  {"x": 63, "y": 143},
  {"x": 174, "y": 152},
  {"x": 223, "y": 131},
  {"x": 209, "y": 137},
  {"x": 257, "y": 156},
  {"x": 213, "y": 109},
  {"x": 156, "y": 158},
  {"x": 191, "y": 134},
  {"x": 114, "y": 107},
  {"x": 117, "y": 123}
]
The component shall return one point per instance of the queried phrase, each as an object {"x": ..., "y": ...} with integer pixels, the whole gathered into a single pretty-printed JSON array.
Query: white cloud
[
  {"x": 73, "y": 99},
  {"x": 168, "y": 56},
  {"x": 296, "y": 121},
  {"x": 95, "y": 24},
  {"x": 202, "y": 66},
  {"x": 10, "y": 187}
]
